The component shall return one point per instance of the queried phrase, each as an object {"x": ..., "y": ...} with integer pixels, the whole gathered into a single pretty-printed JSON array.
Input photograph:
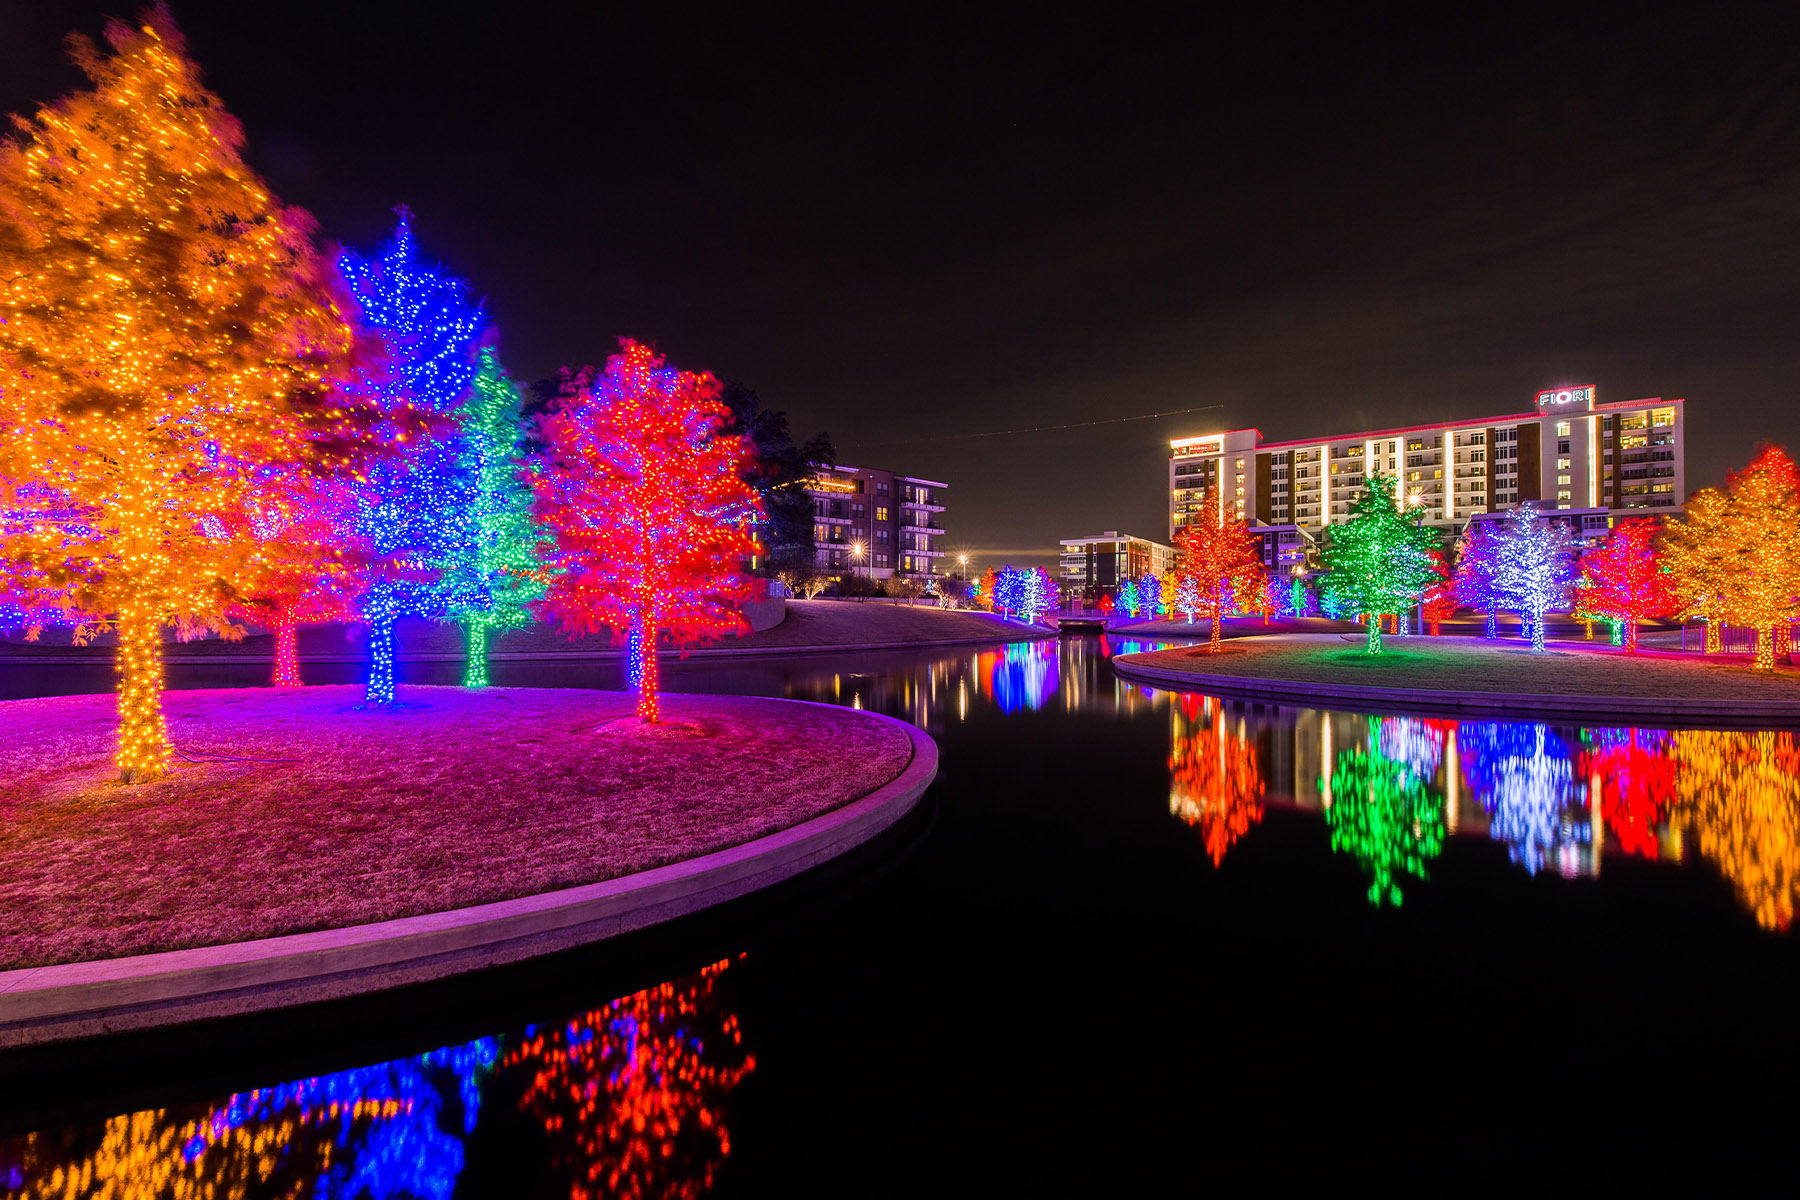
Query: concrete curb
[
  {"x": 41, "y": 1005},
  {"x": 1719, "y": 714}
]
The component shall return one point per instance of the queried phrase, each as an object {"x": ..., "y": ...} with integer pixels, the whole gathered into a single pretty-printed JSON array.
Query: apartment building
[
  {"x": 876, "y": 522},
  {"x": 1105, "y": 560},
  {"x": 1568, "y": 452}
]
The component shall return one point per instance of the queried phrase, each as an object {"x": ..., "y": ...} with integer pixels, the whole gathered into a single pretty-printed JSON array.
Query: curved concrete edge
[
  {"x": 67, "y": 1002},
  {"x": 1722, "y": 714}
]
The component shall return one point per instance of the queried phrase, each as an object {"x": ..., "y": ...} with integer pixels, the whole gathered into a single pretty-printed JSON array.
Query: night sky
[{"x": 911, "y": 229}]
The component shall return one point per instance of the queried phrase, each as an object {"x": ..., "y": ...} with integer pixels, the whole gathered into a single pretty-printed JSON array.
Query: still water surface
[{"x": 1147, "y": 940}]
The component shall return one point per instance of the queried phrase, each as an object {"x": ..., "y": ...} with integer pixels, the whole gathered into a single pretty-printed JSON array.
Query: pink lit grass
[{"x": 454, "y": 798}]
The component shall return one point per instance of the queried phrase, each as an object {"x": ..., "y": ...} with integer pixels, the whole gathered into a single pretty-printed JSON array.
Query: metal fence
[{"x": 1733, "y": 639}]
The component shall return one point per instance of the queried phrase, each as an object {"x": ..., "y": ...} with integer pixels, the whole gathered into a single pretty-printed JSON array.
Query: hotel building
[
  {"x": 875, "y": 522},
  {"x": 1568, "y": 452}
]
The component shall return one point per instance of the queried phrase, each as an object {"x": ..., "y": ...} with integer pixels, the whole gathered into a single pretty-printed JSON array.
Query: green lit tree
[
  {"x": 504, "y": 540},
  {"x": 1381, "y": 560}
]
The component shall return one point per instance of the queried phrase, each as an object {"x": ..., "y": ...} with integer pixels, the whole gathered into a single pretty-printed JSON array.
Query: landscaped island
[
  {"x": 1457, "y": 673},
  {"x": 296, "y": 811}
]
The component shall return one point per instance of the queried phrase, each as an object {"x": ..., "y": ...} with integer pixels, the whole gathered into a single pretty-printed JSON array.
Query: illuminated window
[
  {"x": 1240, "y": 491},
  {"x": 1562, "y": 496},
  {"x": 1438, "y": 474},
  {"x": 881, "y": 512},
  {"x": 1562, "y": 464},
  {"x": 1240, "y": 465},
  {"x": 1562, "y": 429}
]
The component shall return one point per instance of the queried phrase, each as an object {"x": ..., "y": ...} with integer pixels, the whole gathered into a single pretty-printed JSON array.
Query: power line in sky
[{"x": 962, "y": 437}]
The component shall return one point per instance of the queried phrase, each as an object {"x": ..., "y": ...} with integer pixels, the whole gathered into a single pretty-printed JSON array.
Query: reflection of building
[
  {"x": 1569, "y": 452},
  {"x": 894, "y": 519},
  {"x": 1105, "y": 560}
]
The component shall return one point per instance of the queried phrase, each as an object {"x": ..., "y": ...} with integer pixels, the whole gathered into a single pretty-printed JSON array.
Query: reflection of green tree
[{"x": 1387, "y": 817}]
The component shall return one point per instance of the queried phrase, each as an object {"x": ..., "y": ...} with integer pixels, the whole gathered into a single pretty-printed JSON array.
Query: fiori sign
[{"x": 1557, "y": 397}]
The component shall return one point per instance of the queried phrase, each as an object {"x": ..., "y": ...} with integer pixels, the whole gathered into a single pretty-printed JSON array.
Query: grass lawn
[
  {"x": 1475, "y": 664},
  {"x": 327, "y": 815}
]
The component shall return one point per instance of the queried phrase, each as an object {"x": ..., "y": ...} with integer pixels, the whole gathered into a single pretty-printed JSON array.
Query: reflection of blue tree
[
  {"x": 388, "y": 1118},
  {"x": 1523, "y": 776},
  {"x": 1026, "y": 675},
  {"x": 1386, "y": 814}
]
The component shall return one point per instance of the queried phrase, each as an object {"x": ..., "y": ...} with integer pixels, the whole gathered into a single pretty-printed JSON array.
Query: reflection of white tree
[
  {"x": 1025, "y": 675},
  {"x": 1522, "y": 775},
  {"x": 1419, "y": 745}
]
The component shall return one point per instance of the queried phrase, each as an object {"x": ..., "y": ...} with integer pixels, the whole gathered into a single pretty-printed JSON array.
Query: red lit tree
[
  {"x": 649, "y": 506},
  {"x": 1218, "y": 560},
  {"x": 168, "y": 333},
  {"x": 1439, "y": 603},
  {"x": 1624, "y": 581}
]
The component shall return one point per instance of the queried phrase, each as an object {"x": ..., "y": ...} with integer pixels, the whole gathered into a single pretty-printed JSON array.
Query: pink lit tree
[
  {"x": 1624, "y": 581},
  {"x": 1440, "y": 601},
  {"x": 647, "y": 499}
]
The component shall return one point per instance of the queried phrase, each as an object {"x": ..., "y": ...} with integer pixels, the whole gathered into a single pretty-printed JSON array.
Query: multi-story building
[
  {"x": 1568, "y": 452},
  {"x": 1104, "y": 560},
  {"x": 1586, "y": 525},
  {"x": 875, "y": 522},
  {"x": 1284, "y": 549}
]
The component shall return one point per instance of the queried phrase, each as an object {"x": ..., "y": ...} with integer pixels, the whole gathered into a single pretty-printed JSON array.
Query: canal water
[{"x": 1138, "y": 942}]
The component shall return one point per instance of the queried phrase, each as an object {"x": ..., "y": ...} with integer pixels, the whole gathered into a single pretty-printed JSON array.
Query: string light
[
  {"x": 647, "y": 502},
  {"x": 417, "y": 512},
  {"x": 1439, "y": 603},
  {"x": 1534, "y": 567},
  {"x": 1735, "y": 556},
  {"x": 167, "y": 331},
  {"x": 1218, "y": 559},
  {"x": 1623, "y": 582},
  {"x": 504, "y": 555},
  {"x": 1379, "y": 561}
]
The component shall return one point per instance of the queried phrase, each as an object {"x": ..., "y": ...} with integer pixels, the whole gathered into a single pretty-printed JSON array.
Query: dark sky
[{"x": 911, "y": 228}]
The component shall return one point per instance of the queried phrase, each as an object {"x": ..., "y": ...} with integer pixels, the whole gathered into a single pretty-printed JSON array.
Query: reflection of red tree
[
  {"x": 629, "y": 1094},
  {"x": 1214, "y": 780},
  {"x": 1637, "y": 784}
]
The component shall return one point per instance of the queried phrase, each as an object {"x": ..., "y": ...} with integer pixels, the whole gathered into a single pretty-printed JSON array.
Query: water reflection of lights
[
  {"x": 1524, "y": 777},
  {"x": 1384, "y": 813},
  {"x": 1215, "y": 783},
  {"x": 630, "y": 1097}
]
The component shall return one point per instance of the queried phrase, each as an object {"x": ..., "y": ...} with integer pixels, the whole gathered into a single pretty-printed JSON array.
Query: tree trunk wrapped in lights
[
  {"x": 1217, "y": 562},
  {"x": 169, "y": 334},
  {"x": 649, "y": 507},
  {"x": 1380, "y": 560},
  {"x": 1735, "y": 555},
  {"x": 417, "y": 516},
  {"x": 1534, "y": 567},
  {"x": 1623, "y": 581}
]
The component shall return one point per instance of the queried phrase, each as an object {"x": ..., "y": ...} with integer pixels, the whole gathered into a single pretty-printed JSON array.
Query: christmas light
[
  {"x": 1379, "y": 561},
  {"x": 1218, "y": 558},
  {"x": 1735, "y": 556},
  {"x": 1439, "y": 603},
  {"x": 1534, "y": 567},
  {"x": 167, "y": 331},
  {"x": 1476, "y": 582},
  {"x": 1623, "y": 582},
  {"x": 1385, "y": 815},
  {"x": 1215, "y": 783},
  {"x": 418, "y": 512},
  {"x": 503, "y": 558},
  {"x": 647, "y": 502}
]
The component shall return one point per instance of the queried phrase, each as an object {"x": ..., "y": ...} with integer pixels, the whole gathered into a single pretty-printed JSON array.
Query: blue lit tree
[
  {"x": 1477, "y": 574},
  {"x": 1534, "y": 567},
  {"x": 418, "y": 513}
]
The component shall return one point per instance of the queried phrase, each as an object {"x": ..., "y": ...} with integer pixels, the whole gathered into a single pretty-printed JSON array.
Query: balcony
[
  {"x": 931, "y": 530},
  {"x": 922, "y": 505}
]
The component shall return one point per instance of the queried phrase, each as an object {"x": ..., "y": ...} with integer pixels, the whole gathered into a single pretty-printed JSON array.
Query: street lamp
[{"x": 856, "y": 550}]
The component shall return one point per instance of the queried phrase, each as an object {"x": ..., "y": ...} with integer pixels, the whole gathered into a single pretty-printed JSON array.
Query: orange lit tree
[
  {"x": 167, "y": 330},
  {"x": 1735, "y": 555},
  {"x": 1623, "y": 581},
  {"x": 1218, "y": 561},
  {"x": 649, "y": 506}
]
